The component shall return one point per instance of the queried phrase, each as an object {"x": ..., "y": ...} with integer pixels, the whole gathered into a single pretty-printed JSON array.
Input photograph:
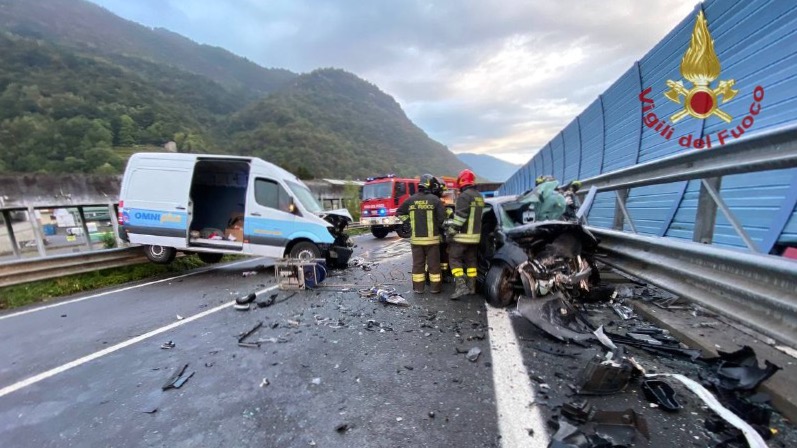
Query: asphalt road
[{"x": 334, "y": 368}]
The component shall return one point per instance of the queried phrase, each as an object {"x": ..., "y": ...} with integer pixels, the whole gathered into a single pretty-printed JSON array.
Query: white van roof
[{"x": 265, "y": 167}]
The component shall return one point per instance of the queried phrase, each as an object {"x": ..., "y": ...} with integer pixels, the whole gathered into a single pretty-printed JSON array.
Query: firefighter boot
[
  {"x": 417, "y": 287},
  {"x": 436, "y": 287},
  {"x": 460, "y": 288},
  {"x": 471, "y": 285}
]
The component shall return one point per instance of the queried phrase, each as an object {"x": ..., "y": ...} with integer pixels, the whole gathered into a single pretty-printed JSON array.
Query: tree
[{"x": 128, "y": 131}]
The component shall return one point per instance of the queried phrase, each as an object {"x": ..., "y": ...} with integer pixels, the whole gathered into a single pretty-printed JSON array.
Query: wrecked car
[{"x": 527, "y": 249}]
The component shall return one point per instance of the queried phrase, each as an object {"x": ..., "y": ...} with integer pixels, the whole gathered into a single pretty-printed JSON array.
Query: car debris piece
[
  {"x": 578, "y": 411},
  {"x": 569, "y": 436},
  {"x": 178, "y": 378},
  {"x": 241, "y": 306},
  {"x": 754, "y": 439},
  {"x": 553, "y": 315},
  {"x": 619, "y": 428},
  {"x": 343, "y": 427},
  {"x": 661, "y": 393},
  {"x": 167, "y": 345},
  {"x": 601, "y": 335},
  {"x": 473, "y": 354},
  {"x": 264, "y": 383},
  {"x": 242, "y": 338},
  {"x": 605, "y": 376},
  {"x": 556, "y": 351},
  {"x": 739, "y": 370},
  {"x": 248, "y": 273},
  {"x": 644, "y": 338},
  {"x": 623, "y": 311},
  {"x": 264, "y": 303},
  {"x": 246, "y": 299}
]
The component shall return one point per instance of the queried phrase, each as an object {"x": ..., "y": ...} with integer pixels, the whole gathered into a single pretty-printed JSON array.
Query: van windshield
[
  {"x": 304, "y": 196},
  {"x": 378, "y": 191}
]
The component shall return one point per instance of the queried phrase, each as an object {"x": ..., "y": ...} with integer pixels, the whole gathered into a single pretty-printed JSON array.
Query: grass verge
[{"x": 42, "y": 290}]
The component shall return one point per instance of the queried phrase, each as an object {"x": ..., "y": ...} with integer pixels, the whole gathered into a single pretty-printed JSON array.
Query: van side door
[
  {"x": 156, "y": 202},
  {"x": 268, "y": 219}
]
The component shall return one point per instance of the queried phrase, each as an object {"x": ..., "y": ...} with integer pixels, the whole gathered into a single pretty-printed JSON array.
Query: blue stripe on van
[{"x": 257, "y": 228}]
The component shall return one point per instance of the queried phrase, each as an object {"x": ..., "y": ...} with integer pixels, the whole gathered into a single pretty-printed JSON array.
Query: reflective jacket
[
  {"x": 426, "y": 214},
  {"x": 468, "y": 216}
]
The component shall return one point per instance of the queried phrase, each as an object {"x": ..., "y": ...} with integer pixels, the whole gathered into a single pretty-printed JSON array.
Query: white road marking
[
  {"x": 127, "y": 288},
  {"x": 63, "y": 368},
  {"x": 513, "y": 390}
]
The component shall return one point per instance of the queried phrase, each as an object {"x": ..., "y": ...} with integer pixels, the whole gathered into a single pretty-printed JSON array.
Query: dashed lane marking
[
  {"x": 520, "y": 424},
  {"x": 127, "y": 288},
  {"x": 88, "y": 358}
]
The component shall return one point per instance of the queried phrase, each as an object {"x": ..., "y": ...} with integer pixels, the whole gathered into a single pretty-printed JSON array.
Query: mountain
[
  {"x": 489, "y": 167},
  {"x": 330, "y": 111},
  {"x": 91, "y": 28},
  {"x": 81, "y": 89}
]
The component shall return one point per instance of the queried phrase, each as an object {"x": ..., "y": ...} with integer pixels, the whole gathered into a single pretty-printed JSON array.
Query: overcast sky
[{"x": 492, "y": 77}]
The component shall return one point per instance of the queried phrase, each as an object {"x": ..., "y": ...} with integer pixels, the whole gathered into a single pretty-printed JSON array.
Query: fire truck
[{"x": 382, "y": 196}]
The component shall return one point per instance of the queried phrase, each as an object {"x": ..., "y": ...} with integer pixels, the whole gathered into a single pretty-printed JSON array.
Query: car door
[{"x": 268, "y": 221}]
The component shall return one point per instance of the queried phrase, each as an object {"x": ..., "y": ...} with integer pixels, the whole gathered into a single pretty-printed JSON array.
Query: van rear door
[{"x": 156, "y": 201}]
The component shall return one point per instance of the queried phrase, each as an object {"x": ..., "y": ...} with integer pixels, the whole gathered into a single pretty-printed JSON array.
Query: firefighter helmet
[
  {"x": 426, "y": 182},
  {"x": 465, "y": 178},
  {"x": 438, "y": 187},
  {"x": 543, "y": 179}
]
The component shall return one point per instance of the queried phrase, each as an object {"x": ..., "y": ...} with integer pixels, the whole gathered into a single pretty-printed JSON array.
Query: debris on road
[
  {"x": 264, "y": 383},
  {"x": 167, "y": 345},
  {"x": 246, "y": 299},
  {"x": 316, "y": 381},
  {"x": 179, "y": 317},
  {"x": 241, "y": 306},
  {"x": 178, "y": 378},
  {"x": 264, "y": 303},
  {"x": 242, "y": 338},
  {"x": 343, "y": 427},
  {"x": 739, "y": 370},
  {"x": 248, "y": 273},
  {"x": 605, "y": 376},
  {"x": 473, "y": 354},
  {"x": 384, "y": 295},
  {"x": 662, "y": 394}
]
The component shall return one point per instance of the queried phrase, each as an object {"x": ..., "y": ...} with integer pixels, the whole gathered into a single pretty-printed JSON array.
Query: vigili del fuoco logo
[{"x": 700, "y": 67}]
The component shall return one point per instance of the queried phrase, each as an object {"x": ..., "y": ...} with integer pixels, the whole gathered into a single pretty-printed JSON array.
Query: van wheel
[
  {"x": 379, "y": 232},
  {"x": 210, "y": 257},
  {"x": 498, "y": 285},
  {"x": 305, "y": 250},
  {"x": 160, "y": 254}
]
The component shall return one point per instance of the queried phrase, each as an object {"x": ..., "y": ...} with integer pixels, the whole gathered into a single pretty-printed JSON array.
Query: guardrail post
[
  {"x": 37, "y": 231},
  {"x": 706, "y": 215},
  {"x": 621, "y": 212},
  {"x": 114, "y": 223},
  {"x": 12, "y": 239},
  {"x": 84, "y": 226}
]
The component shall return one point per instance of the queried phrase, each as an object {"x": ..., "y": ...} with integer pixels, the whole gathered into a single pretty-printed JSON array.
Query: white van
[{"x": 215, "y": 205}]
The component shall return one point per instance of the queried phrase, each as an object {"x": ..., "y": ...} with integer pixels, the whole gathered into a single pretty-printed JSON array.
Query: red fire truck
[{"x": 382, "y": 196}]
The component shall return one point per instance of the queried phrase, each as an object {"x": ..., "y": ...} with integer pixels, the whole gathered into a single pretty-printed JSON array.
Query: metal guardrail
[
  {"x": 758, "y": 290},
  {"x": 23, "y": 271}
]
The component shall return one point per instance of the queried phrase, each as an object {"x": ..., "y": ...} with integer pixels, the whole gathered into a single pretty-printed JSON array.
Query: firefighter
[
  {"x": 439, "y": 190},
  {"x": 464, "y": 232},
  {"x": 426, "y": 214}
]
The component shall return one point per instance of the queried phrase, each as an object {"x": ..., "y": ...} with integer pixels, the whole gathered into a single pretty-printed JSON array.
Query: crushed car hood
[{"x": 341, "y": 213}]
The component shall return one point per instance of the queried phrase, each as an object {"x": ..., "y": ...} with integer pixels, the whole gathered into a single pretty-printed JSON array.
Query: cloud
[{"x": 498, "y": 78}]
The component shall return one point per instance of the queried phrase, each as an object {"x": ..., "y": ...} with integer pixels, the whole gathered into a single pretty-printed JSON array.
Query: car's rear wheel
[
  {"x": 498, "y": 285},
  {"x": 160, "y": 254},
  {"x": 210, "y": 257},
  {"x": 379, "y": 232}
]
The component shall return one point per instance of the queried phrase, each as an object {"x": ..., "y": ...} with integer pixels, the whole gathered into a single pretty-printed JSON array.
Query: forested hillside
[
  {"x": 333, "y": 113},
  {"x": 81, "y": 89}
]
